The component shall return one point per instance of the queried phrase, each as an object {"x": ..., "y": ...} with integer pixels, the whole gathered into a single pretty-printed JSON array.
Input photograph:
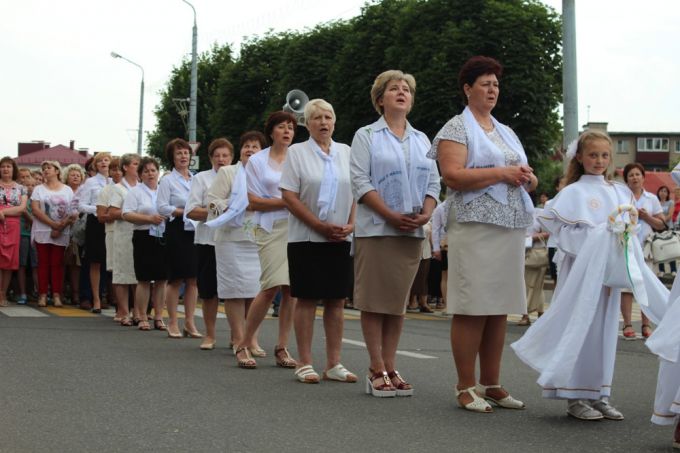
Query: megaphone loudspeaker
[{"x": 295, "y": 104}]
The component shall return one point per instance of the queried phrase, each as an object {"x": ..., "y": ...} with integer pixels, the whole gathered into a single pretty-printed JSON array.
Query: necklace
[{"x": 486, "y": 128}]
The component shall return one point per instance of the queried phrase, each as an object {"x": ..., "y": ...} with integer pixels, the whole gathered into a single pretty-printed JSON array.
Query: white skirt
[
  {"x": 238, "y": 269},
  {"x": 109, "y": 250},
  {"x": 123, "y": 261}
]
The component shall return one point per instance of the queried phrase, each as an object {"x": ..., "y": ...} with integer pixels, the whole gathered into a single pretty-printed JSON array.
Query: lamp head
[{"x": 115, "y": 55}]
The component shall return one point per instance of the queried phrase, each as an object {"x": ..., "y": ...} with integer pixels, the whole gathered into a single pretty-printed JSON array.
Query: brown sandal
[
  {"x": 403, "y": 388},
  {"x": 248, "y": 363},
  {"x": 283, "y": 358}
]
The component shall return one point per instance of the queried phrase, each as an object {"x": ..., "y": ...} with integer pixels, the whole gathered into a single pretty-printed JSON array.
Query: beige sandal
[
  {"x": 283, "y": 358},
  {"x": 248, "y": 363}
]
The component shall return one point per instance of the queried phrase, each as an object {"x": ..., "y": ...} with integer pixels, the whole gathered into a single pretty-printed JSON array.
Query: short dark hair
[
  {"x": 172, "y": 146},
  {"x": 630, "y": 167},
  {"x": 275, "y": 119},
  {"x": 252, "y": 135},
  {"x": 220, "y": 143},
  {"x": 15, "y": 167},
  {"x": 144, "y": 162},
  {"x": 668, "y": 191},
  {"x": 475, "y": 67}
]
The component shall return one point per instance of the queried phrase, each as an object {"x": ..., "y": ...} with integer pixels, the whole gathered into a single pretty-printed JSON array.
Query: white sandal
[
  {"x": 583, "y": 411},
  {"x": 307, "y": 375},
  {"x": 477, "y": 405},
  {"x": 339, "y": 373},
  {"x": 508, "y": 402}
]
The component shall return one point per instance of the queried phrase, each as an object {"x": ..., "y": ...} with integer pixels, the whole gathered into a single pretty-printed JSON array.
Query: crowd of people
[{"x": 320, "y": 222}]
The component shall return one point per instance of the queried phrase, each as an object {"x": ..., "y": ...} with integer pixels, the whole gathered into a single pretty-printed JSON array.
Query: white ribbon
[
  {"x": 402, "y": 188},
  {"x": 238, "y": 202},
  {"x": 483, "y": 153},
  {"x": 328, "y": 190}
]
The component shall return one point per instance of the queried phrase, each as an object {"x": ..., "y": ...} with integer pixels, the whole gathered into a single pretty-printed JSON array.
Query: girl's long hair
[{"x": 575, "y": 169}]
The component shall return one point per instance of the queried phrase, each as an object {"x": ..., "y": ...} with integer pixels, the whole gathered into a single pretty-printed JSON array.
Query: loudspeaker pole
[{"x": 194, "y": 79}]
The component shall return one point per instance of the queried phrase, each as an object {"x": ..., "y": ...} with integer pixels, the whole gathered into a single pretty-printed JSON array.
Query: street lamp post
[
  {"x": 194, "y": 79},
  {"x": 141, "y": 103}
]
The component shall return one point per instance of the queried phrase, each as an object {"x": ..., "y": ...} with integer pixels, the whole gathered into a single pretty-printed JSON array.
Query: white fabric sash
[
  {"x": 328, "y": 190},
  {"x": 402, "y": 189},
  {"x": 238, "y": 202},
  {"x": 483, "y": 153},
  {"x": 260, "y": 164}
]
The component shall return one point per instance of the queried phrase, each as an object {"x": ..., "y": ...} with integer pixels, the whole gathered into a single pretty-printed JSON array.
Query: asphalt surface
[{"x": 70, "y": 384}]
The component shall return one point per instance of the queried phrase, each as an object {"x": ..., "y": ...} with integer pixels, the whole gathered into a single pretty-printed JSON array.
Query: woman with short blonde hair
[{"x": 387, "y": 156}]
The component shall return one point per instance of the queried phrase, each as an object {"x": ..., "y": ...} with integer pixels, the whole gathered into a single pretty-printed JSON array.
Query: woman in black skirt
[
  {"x": 95, "y": 243},
  {"x": 316, "y": 189},
  {"x": 173, "y": 193},
  {"x": 148, "y": 249}
]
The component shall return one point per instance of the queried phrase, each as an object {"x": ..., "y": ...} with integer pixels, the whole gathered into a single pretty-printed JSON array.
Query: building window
[
  {"x": 622, "y": 146},
  {"x": 652, "y": 144},
  {"x": 677, "y": 146}
]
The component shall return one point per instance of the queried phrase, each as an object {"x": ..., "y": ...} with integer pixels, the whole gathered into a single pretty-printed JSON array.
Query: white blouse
[
  {"x": 139, "y": 200},
  {"x": 198, "y": 198},
  {"x": 87, "y": 194},
  {"x": 173, "y": 193},
  {"x": 302, "y": 173},
  {"x": 57, "y": 205},
  {"x": 263, "y": 179}
]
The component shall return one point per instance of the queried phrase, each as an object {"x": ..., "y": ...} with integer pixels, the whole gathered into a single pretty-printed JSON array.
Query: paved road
[{"x": 81, "y": 383}]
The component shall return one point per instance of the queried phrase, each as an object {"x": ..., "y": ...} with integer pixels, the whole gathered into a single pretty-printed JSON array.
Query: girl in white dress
[{"x": 577, "y": 362}]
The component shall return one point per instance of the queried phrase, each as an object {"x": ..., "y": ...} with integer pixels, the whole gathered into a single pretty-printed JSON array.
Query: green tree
[
  {"x": 431, "y": 39},
  {"x": 169, "y": 122}
]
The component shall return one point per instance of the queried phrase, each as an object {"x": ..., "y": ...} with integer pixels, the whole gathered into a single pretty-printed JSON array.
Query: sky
[{"x": 60, "y": 83}]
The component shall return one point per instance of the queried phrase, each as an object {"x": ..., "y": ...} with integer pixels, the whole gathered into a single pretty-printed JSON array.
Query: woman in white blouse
[
  {"x": 221, "y": 153},
  {"x": 316, "y": 188},
  {"x": 95, "y": 245},
  {"x": 651, "y": 218},
  {"x": 263, "y": 174},
  {"x": 53, "y": 209},
  {"x": 396, "y": 187},
  {"x": 173, "y": 193},
  {"x": 238, "y": 265},
  {"x": 149, "y": 250}
]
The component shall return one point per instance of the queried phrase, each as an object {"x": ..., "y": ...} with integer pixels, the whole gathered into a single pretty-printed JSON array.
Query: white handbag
[
  {"x": 665, "y": 246},
  {"x": 616, "y": 271}
]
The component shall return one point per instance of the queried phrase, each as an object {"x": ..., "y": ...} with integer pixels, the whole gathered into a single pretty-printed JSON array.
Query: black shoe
[
  {"x": 275, "y": 313},
  {"x": 96, "y": 310}
]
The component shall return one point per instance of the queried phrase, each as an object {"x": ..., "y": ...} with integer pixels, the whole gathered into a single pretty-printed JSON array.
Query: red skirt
[{"x": 10, "y": 237}]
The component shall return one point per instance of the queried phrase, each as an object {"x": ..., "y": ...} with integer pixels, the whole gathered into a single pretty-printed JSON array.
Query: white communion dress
[
  {"x": 665, "y": 342},
  {"x": 573, "y": 345}
]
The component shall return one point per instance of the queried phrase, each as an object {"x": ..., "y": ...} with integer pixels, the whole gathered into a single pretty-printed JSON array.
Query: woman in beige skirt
[
  {"x": 263, "y": 174},
  {"x": 484, "y": 165},
  {"x": 387, "y": 156}
]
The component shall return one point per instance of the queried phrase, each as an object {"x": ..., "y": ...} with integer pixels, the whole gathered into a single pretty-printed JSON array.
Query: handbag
[
  {"x": 536, "y": 258},
  {"x": 665, "y": 246},
  {"x": 616, "y": 273}
]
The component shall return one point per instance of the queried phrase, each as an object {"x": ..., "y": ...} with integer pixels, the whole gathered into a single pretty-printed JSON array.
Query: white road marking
[
  {"x": 199, "y": 313},
  {"x": 23, "y": 312},
  {"x": 415, "y": 355}
]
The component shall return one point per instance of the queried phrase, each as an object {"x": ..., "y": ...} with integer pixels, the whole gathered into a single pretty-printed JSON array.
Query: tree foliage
[{"x": 338, "y": 61}]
